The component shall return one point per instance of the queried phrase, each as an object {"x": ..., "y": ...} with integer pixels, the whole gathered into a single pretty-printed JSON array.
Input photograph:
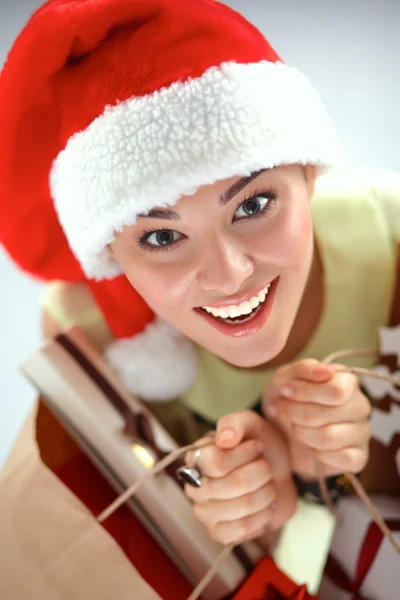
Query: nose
[{"x": 223, "y": 267}]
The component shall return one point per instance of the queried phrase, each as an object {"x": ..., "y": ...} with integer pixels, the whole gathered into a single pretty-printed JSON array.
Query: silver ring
[
  {"x": 191, "y": 474},
  {"x": 196, "y": 460}
]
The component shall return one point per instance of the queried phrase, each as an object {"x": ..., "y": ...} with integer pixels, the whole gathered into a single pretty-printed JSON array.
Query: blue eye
[
  {"x": 253, "y": 206},
  {"x": 161, "y": 238}
]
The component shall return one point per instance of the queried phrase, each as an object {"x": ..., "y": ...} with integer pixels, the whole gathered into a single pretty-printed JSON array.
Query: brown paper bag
[
  {"x": 51, "y": 546},
  {"x": 87, "y": 413}
]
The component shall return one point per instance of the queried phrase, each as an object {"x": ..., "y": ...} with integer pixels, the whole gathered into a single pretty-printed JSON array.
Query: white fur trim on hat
[
  {"x": 157, "y": 364},
  {"x": 148, "y": 151}
]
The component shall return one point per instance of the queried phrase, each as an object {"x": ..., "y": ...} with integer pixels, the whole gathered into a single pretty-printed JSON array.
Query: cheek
[
  {"x": 287, "y": 243},
  {"x": 299, "y": 238},
  {"x": 163, "y": 287}
]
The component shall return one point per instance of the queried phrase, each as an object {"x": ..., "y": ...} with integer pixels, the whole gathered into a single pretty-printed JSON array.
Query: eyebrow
[
  {"x": 171, "y": 215},
  {"x": 161, "y": 213},
  {"x": 237, "y": 187}
]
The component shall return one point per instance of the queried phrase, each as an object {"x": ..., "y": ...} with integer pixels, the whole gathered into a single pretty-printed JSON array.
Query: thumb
[
  {"x": 306, "y": 370},
  {"x": 233, "y": 429}
]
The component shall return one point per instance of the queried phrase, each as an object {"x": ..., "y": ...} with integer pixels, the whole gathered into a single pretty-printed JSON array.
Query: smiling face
[{"x": 228, "y": 265}]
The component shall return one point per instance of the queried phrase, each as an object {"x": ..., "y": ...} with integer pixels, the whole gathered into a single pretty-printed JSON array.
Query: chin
[{"x": 252, "y": 355}]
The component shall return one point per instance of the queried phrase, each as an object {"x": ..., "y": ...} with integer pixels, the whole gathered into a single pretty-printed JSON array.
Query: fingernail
[
  {"x": 321, "y": 370},
  {"x": 287, "y": 391},
  {"x": 272, "y": 410},
  {"x": 226, "y": 435}
]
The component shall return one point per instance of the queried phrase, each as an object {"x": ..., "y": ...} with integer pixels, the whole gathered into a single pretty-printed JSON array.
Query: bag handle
[
  {"x": 173, "y": 456},
  {"x": 158, "y": 468}
]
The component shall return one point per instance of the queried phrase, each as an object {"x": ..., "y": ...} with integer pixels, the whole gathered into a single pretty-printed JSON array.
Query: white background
[{"x": 350, "y": 50}]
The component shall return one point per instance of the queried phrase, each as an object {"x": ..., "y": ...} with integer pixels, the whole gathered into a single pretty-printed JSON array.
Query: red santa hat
[{"x": 111, "y": 107}]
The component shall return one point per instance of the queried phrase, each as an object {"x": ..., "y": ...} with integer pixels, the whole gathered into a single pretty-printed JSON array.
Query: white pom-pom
[{"x": 158, "y": 364}]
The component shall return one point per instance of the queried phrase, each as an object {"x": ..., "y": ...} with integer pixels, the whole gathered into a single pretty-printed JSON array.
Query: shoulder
[
  {"x": 65, "y": 304},
  {"x": 358, "y": 179},
  {"x": 360, "y": 191},
  {"x": 383, "y": 185},
  {"x": 65, "y": 301}
]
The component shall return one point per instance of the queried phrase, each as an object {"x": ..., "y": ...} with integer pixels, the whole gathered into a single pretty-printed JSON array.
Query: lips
[
  {"x": 244, "y": 323},
  {"x": 239, "y": 309}
]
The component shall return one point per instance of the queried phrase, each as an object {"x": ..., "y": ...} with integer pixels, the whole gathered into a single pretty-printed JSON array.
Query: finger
[
  {"x": 333, "y": 437},
  {"x": 307, "y": 370},
  {"x": 216, "y": 511},
  {"x": 204, "y": 442},
  {"x": 214, "y": 462},
  {"x": 352, "y": 459},
  {"x": 316, "y": 415},
  {"x": 245, "y": 480},
  {"x": 336, "y": 392},
  {"x": 234, "y": 532},
  {"x": 232, "y": 429},
  {"x": 275, "y": 451}
]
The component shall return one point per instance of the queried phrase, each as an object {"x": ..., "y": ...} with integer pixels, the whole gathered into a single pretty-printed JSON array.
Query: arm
[
  {"x": 50, "y": 327},
  {"x": 66, "y": 304}
]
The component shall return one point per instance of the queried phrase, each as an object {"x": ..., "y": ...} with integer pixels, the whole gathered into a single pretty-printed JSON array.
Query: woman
[{"x": 181, "y": 156}]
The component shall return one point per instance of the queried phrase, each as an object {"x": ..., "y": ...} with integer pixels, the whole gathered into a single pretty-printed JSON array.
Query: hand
[
  {"x": 324, "y": 415},
  {"x": 247, "y": 485}
]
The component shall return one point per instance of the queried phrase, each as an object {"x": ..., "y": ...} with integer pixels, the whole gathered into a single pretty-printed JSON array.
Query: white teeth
[
  {"x": 234, "y": 311},
  {"x": 224, "y": 313},
  {"x": 261, "y": 296},
  {"x": 245, "y": 308},
  {"x": 254, "y": 302}
]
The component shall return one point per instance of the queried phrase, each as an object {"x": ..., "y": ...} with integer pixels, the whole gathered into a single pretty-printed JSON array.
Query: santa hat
[{"x": 111, "y": 107}]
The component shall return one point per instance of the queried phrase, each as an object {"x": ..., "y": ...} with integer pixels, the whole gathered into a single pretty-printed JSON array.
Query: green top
[{"x": 356, "y": 217}]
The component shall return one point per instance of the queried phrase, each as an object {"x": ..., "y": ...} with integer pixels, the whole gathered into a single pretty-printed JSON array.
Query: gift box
[
  {"x": 123, "y": 440},
  {"x": 267, "y": 582},
  {"x": 382, "y": 473},
  {"x": 362, "y": 564},
  {"x": 145, "y": 556}
]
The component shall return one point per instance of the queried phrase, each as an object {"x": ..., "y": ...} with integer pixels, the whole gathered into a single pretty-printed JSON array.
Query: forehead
[
  {"x": 282, "y": 173},
  {"x": 219, "y": 193},
  {"x": 198, "y": 205}
]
